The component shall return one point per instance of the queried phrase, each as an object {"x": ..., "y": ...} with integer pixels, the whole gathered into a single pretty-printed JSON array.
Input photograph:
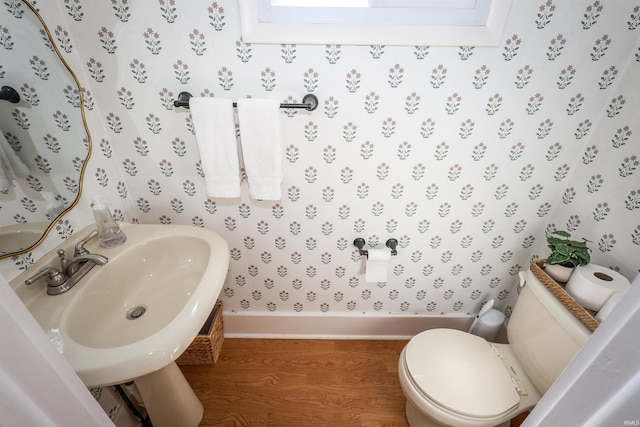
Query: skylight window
[{"x": 366, "y": 22}]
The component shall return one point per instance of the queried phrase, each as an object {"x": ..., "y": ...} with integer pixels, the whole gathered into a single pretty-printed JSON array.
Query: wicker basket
[
  {"x": 582, "y": 314},
  {"x": 205, "y": 348}
]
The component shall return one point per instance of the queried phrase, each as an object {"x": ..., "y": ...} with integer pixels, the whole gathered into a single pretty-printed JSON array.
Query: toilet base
[{"x": 419, "y": 419}]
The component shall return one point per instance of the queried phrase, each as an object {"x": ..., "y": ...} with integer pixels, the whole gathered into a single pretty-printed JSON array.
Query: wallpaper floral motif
[{"x": 468, "y": 156}]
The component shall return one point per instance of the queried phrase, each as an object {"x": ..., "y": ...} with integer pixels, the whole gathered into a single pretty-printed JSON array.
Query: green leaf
[
  {"x": 563, "y": 249},
  {"x": 567, "y": 252},
  {"x": 562, "y": 233},
  {"x": 557, "y": 258}
]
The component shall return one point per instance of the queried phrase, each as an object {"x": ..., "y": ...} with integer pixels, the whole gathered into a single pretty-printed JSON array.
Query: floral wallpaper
[{"x": 468, "y": 156}]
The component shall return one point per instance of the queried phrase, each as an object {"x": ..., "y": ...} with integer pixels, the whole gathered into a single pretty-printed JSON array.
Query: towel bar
[
  {"x": 309, "y": 102},
  {"x": 8, "y": 93}
]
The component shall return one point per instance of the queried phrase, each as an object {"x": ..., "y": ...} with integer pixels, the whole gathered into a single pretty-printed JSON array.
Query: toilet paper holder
[{"x": 390, "y": 243}]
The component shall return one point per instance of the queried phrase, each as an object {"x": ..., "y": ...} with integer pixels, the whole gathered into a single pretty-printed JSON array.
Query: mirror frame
[{"x": 55, "y": 220}]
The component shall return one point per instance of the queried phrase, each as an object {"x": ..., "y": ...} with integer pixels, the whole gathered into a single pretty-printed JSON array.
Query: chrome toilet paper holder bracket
[{"x": 390, "y": 243}]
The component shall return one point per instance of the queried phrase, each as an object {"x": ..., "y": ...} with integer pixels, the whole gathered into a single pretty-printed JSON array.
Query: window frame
[{"x": 490, "y": 34}]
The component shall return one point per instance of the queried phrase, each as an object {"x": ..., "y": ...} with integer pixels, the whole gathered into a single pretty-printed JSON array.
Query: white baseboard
[{"x": 295, "y": 326}]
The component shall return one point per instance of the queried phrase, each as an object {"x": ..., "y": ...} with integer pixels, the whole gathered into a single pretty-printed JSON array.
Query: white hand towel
[
  {"x": 262, "y": 150},
  {"x": 216, "y": 137},
  {"x": 11, "y": 166}
]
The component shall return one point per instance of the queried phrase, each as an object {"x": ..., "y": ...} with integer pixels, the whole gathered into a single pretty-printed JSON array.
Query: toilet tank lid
[{"x": 460, "y": 372}]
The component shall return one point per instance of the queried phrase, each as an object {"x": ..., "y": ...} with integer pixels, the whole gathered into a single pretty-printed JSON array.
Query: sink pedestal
[{"x": 169, "y": 399}]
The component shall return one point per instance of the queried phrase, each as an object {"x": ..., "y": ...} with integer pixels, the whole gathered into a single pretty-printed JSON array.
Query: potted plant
[{"x": 566, "y": 255}]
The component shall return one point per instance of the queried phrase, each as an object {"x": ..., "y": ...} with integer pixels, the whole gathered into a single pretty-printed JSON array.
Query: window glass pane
[
  {"x": 418, "y": 22},
  {"x": 415, "y": 12}
]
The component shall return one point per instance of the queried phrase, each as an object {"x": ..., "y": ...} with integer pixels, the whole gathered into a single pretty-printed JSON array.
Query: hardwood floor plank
[
  {"x": 302, "y": 383},
  {"x": 312, "y": 420},
  {"x": 235, "y": 420},
  {"x": 280, "y": 383}
]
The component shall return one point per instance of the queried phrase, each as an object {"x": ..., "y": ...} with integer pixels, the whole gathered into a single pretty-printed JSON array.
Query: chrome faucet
[
  {"x": 80, "y": 249},
  {"x": 72, "y": 270},
  {"x": 75, "y": 265},
  {"x": 53, "y": 277}
]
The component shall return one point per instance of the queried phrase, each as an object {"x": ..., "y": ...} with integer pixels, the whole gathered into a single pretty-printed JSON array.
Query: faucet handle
[
  {"x": 64, "y": 261},
  {"x": 79, "y": 249},
  {"x": 53, "y": 277}
]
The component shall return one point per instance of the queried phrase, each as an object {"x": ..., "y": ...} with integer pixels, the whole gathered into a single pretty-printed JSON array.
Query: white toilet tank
[{"x": 543, "y": 333}]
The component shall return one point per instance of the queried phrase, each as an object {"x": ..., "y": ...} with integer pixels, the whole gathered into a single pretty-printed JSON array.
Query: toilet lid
[{"x": 460, "y": 372}]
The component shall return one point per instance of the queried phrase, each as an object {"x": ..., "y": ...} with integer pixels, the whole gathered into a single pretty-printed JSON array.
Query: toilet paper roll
[
  {"x": 377, "y": 265},
  {"x": 592, "y": 285},
  {"x": 609, "y": 305}
]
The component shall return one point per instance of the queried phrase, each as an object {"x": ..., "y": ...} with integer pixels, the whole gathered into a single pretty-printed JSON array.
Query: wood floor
[{"x": 301, "y": 383}]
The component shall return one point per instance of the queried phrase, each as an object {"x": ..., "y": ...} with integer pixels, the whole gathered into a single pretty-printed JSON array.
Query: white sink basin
[
  {"x": 171, "y": 273},
  {"x": 123, "y": 306}
]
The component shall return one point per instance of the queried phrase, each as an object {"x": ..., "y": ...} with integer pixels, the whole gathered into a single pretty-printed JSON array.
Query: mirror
[{"x": 44, "y": 140}]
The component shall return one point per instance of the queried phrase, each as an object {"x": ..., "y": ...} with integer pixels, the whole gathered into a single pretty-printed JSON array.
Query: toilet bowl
[{"x": 452, "y": 378}]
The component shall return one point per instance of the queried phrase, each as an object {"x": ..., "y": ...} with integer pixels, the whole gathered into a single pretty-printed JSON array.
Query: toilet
[{"x": 453, "y": 378}]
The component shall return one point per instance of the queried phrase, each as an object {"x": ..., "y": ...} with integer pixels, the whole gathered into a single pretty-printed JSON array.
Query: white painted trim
[
  {"x": 37, "y": 385},
  {"x": 295, "y": 326},
  {"x": 490, "y": 34}
]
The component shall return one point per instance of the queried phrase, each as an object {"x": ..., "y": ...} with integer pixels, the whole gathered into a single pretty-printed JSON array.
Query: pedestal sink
[{"x": 133, "y": 317}]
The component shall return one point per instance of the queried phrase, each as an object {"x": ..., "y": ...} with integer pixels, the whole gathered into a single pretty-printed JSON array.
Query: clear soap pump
[
  {"x": 54, "y": 207},
  {"x": 109, "y": 232}
]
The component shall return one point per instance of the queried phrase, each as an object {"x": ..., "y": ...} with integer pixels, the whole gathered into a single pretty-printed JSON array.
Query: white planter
[{"x": 558, "y": 272}]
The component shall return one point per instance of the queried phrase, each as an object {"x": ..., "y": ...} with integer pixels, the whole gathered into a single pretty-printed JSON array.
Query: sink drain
[{"x": 136, "y": 312}]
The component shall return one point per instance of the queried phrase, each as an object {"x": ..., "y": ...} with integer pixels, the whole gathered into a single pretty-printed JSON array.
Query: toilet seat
[{"x": 460, "y": 372}]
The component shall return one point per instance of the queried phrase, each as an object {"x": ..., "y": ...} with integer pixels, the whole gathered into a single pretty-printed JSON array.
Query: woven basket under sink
[{"x": 205, "y": 348}]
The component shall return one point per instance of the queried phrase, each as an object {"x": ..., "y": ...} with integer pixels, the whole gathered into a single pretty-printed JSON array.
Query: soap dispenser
[{"x": 109, "y": 233}]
